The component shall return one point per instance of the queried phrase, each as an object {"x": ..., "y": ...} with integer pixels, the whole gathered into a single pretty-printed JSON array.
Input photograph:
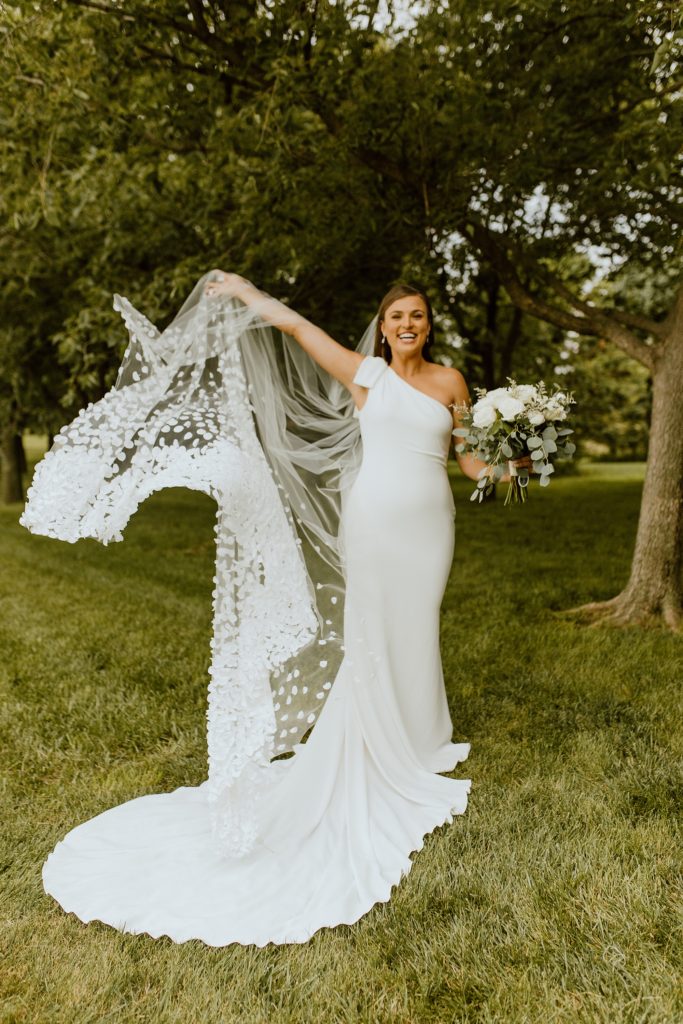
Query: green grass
[{"x": 555, "y": 898}]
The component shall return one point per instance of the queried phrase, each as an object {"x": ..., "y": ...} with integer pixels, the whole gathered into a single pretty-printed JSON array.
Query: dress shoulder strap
[{"x": 370, "y": 371}]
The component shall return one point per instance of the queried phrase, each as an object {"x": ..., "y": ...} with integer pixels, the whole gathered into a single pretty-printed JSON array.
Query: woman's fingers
[
  {"x": 215, "y": 288},
  {"x": 217, "y": 284},
  {"x": 225, "y": 284}
]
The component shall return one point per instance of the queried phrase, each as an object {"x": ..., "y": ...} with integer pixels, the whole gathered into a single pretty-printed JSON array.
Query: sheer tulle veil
[{"x": 222, "y": 402}]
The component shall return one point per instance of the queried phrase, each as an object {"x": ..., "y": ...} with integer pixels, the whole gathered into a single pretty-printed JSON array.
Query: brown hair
[{"x": 402, "y": 291}]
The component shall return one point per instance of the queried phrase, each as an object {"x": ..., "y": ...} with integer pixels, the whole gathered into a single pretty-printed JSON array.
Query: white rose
[
  {"x": 510, "y": 407},
  {"x": 483, "y": 415},
  {"x": 495, "y": 396},
  {"x": 536, "y": 418},
  {"x": 526, "y": 392}
]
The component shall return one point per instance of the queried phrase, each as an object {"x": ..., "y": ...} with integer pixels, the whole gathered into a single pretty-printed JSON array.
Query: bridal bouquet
[{"x": 508, "y": 423}]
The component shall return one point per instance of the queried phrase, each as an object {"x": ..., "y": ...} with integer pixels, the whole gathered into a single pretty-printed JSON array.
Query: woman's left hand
[
  {"x": 523, "y": 462},
  {"x": 226, "y": 284}
]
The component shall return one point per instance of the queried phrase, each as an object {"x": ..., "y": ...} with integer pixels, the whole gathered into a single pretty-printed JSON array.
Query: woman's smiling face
[{"x": 406, "y": 325}]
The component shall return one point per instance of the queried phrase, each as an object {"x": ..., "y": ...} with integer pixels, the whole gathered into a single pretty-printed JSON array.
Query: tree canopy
[{"x": 323, "y": 154}]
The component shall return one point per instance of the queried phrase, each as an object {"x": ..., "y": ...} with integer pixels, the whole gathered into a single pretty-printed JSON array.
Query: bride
[{"x": 284, "y": 838}]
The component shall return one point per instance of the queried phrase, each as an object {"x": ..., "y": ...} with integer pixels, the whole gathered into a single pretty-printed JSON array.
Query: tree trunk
[
  {"x": 12, "y": 452},
  {"x": 488, "y": 353},
  {"x": 653, "y": 594},
  {"x": 513, "y": 335}
]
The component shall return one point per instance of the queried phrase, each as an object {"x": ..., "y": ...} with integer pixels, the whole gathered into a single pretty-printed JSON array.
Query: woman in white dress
[{"x": 336, "y": 822}]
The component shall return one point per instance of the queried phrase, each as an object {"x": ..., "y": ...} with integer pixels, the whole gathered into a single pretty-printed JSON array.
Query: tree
[
  {"x": 305, "y": 144},
  {"x": 136, "y": 159},
  {"x": 627, "y": 205}
]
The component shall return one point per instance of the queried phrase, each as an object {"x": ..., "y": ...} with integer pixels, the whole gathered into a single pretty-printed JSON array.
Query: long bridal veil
[{"x": 222, "y": 402}]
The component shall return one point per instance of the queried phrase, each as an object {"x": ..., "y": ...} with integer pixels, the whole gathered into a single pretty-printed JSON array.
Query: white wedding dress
[{"x": 338, "y": 820}]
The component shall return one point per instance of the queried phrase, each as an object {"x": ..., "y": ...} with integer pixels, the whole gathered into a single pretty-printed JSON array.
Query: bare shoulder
[{"x": 452, "y": 382}]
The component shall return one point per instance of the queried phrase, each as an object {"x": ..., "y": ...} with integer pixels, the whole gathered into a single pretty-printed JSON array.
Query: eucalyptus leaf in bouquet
[{"x": 511, "y": 422}]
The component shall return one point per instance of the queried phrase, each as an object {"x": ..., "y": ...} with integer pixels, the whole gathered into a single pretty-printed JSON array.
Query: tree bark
[
  {"x": 491, "y": 283},
  {"x": 12, "y": 452},
  {"x": 514, "y": 333},
  {"x": 654, "y": 593}
]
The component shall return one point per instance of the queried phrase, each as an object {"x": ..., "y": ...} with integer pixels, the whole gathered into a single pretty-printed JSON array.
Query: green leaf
[{"x": 661, "y": 54}]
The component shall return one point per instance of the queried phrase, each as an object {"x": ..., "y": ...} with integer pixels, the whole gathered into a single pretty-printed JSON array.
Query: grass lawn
[{"x": 555, "y": 898}]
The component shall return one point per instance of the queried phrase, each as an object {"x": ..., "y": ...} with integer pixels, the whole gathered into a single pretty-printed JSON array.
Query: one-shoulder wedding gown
[{"x": 338, "y": 820}]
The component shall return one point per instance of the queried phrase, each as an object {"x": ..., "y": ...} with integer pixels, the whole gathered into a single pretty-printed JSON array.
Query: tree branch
[
  {"x": 637, "y": 320},
  {"x": 587, "y": 320},
  {"x": 183, "y": 27},
  {"x": 96, "y": 5},
  {"x": 171, "y": 58},
  {"x": 369, "y": 157}
]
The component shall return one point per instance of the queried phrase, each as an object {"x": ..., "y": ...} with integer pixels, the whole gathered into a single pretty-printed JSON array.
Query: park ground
[{"x": 555, "y": 898}]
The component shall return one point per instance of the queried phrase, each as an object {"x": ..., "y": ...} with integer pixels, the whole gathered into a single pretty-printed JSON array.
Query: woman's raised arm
[{"x": 340, "y": 362}]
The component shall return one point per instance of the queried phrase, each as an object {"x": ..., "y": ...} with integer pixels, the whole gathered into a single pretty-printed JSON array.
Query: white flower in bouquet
[
  {"x": 493, "y": 397},
  {"x": 525, "y": 392},
  {"x": 484, "y": 415},
  {"x": 510, "y": 407},
  {"x": 554, "y": 410},
  {"x": 507, "y": 423}
]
